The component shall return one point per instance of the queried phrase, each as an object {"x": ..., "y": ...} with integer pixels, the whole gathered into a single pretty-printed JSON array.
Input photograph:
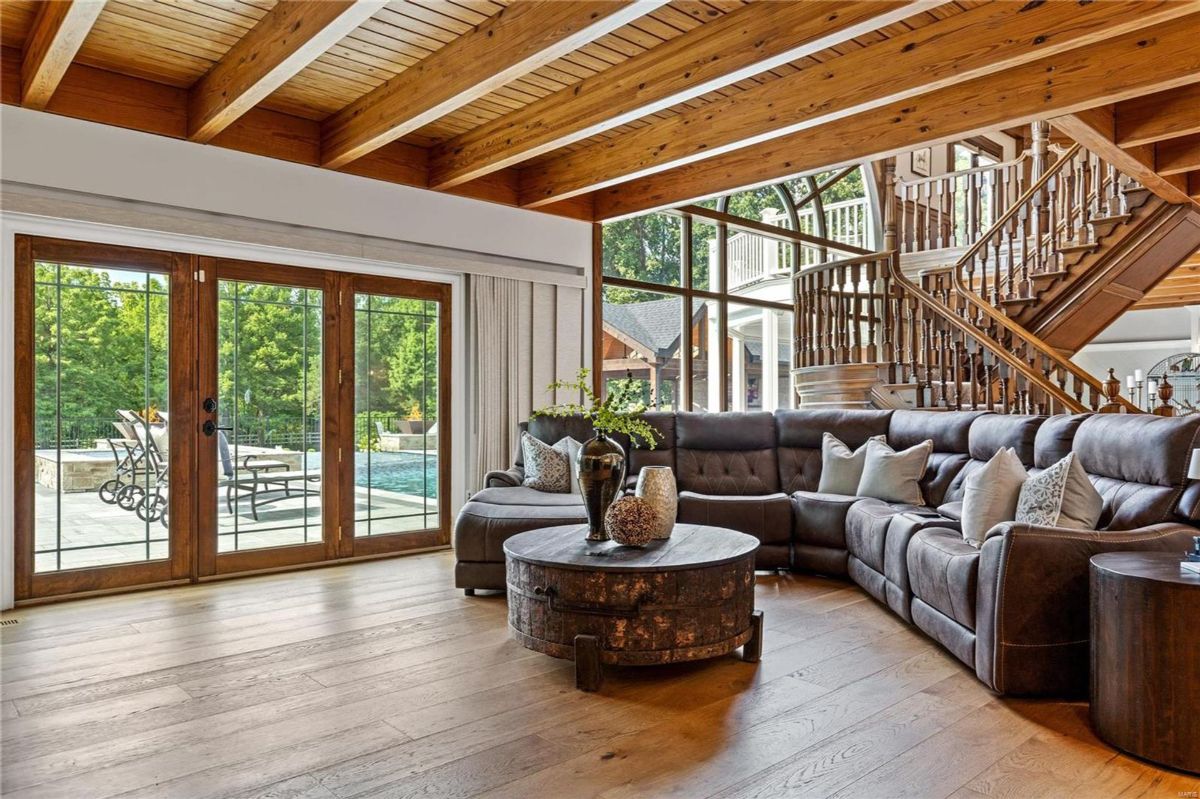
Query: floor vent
[{"x": 9, "y": 622}]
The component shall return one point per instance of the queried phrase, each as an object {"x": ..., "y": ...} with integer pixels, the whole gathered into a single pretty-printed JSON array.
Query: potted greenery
[{"x": 600, "y": 464}]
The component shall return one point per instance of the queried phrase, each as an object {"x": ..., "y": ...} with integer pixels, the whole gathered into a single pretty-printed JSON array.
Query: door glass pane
[
  {"x": 100, "y": 416},
  {"x": 269, "y": 368},
  {"x": 396, "y": 415}
]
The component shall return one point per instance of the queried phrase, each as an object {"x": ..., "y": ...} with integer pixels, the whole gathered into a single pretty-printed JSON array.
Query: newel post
[
  {"x": 1039, "y": 148},
  {"x": 889, "y": 204}
]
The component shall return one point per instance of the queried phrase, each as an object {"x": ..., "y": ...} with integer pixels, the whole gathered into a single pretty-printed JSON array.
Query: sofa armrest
[
  {"x": 1033, "y": 622},
  {"x": 507, "y": 478}
]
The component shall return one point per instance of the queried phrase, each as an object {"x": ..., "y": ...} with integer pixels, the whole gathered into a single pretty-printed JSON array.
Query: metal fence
[{"x": 288, "y": 432}]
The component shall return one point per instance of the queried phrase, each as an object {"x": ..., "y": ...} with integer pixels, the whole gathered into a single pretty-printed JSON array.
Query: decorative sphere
[{"x": 631, "y": 521}]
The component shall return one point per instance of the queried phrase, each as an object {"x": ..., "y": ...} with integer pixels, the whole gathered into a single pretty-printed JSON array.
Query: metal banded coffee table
[{"x": 684, "y": 598}]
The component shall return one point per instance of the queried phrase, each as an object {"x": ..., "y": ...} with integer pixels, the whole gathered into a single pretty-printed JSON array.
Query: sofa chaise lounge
[{"x": 1015, "y": 610}]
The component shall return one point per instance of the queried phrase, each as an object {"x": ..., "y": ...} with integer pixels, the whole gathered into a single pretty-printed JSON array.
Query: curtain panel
[{"x": 523, "y": 337}]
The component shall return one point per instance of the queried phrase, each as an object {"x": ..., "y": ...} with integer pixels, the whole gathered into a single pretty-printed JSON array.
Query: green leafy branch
[{"x": 619, "y": 412}]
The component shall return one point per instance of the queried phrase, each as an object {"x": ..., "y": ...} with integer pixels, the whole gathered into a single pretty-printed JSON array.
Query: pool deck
[{"x": 94, "y": 533}]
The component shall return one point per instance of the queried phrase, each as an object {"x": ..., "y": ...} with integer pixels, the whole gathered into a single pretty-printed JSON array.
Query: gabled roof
[{"x": 654, "y": 325}]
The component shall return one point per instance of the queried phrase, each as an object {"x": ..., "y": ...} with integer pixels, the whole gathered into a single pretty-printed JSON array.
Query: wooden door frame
[
  {"x": 177, "y": 567},
  {"x": 209, "y": 562},
  {"x": 349, "y": 285}
]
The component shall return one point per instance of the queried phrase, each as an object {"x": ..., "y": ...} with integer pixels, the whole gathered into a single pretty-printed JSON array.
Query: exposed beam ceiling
[
  {"x": 751, "y": 40},
  {"x": 290, "y": 37},
  {"x": 1144, "y": 120},
  {"x": 57, "y": 34},
  {"x": 517, "y": 40},
  {"x": 1158, "y": 58},
  {"x": 1094, "y": 129},
  {"x": 1174, "y": 156},
  {"x": 948, "y": 52},
  {"x": 1180, "y": 287}
]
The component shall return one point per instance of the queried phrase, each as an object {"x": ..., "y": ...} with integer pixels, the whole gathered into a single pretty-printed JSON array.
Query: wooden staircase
[{"x": 1048, "y": 248}]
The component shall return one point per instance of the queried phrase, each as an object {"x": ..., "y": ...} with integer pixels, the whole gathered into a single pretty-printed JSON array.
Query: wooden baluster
[
  {"x": 1024, "y": 225},
  {"x": 1051, "y": 247},
  {"x": 855, "y": 278},
  {"x": 800, "y": 323},
  {"x": 872, "y": 314},
  {"x": 912, "y": 335}
]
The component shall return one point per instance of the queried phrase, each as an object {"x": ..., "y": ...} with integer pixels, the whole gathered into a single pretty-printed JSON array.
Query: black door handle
[{"x": 209, "y": 427}]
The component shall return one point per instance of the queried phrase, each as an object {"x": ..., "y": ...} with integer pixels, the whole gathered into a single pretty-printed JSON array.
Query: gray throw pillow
[
  {"x": 841, "y": 469},
  {"x": 990, "y": 495},
  {"x": 549, "y": 468},
  {"x": 1060, "y": 496},
  {"x": 894, "y": 476}
]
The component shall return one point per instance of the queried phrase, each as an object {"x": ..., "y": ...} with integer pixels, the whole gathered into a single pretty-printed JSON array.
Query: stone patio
[{"x": 94, "y": 533}]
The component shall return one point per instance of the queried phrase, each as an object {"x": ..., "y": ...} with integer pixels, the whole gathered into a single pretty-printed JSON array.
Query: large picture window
[{"x": 697, "y": 302}]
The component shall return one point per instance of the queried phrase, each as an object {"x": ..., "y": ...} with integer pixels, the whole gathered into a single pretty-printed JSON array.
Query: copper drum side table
[
  {"x": 1146, "y": 656},
  {"x": 687, "y": 597}
]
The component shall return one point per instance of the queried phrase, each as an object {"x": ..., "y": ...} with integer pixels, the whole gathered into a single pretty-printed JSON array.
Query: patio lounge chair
[{"x": 267, "y": 481}]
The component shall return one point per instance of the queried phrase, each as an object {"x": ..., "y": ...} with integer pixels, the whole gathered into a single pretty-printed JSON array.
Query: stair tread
[
  {"x": 1107, "y": 220},
  {"x": 1086, "y": 247}
]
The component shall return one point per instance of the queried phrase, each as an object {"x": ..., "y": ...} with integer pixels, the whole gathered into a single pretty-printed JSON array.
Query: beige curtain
[{"x": 523, "y": 336}]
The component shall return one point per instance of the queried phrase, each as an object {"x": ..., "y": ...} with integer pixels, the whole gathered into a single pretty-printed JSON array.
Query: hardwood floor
[{"x": 379, "y": 679}]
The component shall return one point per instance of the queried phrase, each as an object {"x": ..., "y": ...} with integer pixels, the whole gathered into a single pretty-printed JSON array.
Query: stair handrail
[
  {"x": 1025, "y": 155},
  {"x": 1002, "y": 320},
  {"x": 1002, "y": 353}
]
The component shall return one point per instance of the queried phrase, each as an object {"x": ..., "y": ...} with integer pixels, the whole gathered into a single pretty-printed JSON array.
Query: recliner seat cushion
[
  {"x": 768, "y": 518},
  {"x": 943, "y": 571}
]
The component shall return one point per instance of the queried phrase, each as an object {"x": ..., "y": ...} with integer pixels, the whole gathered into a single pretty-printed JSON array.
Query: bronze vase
[{"x": 600, "y": 465}]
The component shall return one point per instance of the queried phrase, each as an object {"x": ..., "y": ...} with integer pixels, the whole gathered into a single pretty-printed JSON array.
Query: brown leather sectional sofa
[{"x": 1015, "y": 610}]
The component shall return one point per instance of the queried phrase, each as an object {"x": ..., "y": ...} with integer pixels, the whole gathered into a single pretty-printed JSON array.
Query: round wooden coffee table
[
  {"x": 1146, "y": 656},
  {"x": 684, "y": 598}
]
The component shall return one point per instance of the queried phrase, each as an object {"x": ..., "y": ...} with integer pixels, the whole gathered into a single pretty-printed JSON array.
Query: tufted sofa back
[
  {"x": 799, "y": 433},
  {"x": 729, "y": 454},
  {"x": 1138, "y": 463}
]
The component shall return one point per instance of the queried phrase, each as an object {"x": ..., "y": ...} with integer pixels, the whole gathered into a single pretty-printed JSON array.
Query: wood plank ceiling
[{"x": 603, "y": 108}]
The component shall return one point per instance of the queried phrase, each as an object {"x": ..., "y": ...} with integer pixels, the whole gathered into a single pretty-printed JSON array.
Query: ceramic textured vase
[
  {"x": 631, "y": 522},
  {"x": 656, "y": 485},
  {"x": 600, "y": 466}
]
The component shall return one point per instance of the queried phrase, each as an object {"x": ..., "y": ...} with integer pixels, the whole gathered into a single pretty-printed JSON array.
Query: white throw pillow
[
  {"x": 990, "y": 495},
  {"x": 549, "y": 468},
  {"x": 1060, "y": 496},
  {"x": 841, "y": 469},
  {"x": 894, "y": 476}
]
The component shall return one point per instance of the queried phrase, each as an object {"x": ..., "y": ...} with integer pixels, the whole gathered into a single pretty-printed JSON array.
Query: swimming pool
[{"x": 402, "y": 472}]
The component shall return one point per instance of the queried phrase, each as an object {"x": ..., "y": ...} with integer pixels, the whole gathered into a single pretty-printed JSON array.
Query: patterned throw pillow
[
  {"x": 549, "y": 468},
  {"x": 1061, "y": 496}
]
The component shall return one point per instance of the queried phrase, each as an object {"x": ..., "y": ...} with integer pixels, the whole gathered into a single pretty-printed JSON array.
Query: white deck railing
[{"x": 753, "y": 258}]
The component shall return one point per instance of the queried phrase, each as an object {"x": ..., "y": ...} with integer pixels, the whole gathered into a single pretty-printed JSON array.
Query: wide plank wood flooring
[{"x": 379, "y": 679}]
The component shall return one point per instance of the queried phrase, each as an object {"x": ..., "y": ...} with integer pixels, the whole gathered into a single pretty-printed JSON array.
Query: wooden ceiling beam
[
  {"x": 58, "y": 33},
  {"x": 1154, "y": 117},
  {"x": 290, "y": 37},
  {"x": 1120, "y": 67},
  {"x": 745, "y": 42},
  {"x": 520, "y": 38},
  {"x": 1095, "y": 129},
  {"x": 1174, "y": 156},
  {"x": 978, "y": 42},
  {"x": 109, "y": 98}
]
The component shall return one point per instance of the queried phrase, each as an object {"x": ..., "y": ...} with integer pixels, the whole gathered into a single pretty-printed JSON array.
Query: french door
[{"x": 182, "y": 417}]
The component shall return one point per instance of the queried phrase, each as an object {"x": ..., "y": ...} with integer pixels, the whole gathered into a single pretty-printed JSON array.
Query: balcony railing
[{"x": 753, "y": 258}]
